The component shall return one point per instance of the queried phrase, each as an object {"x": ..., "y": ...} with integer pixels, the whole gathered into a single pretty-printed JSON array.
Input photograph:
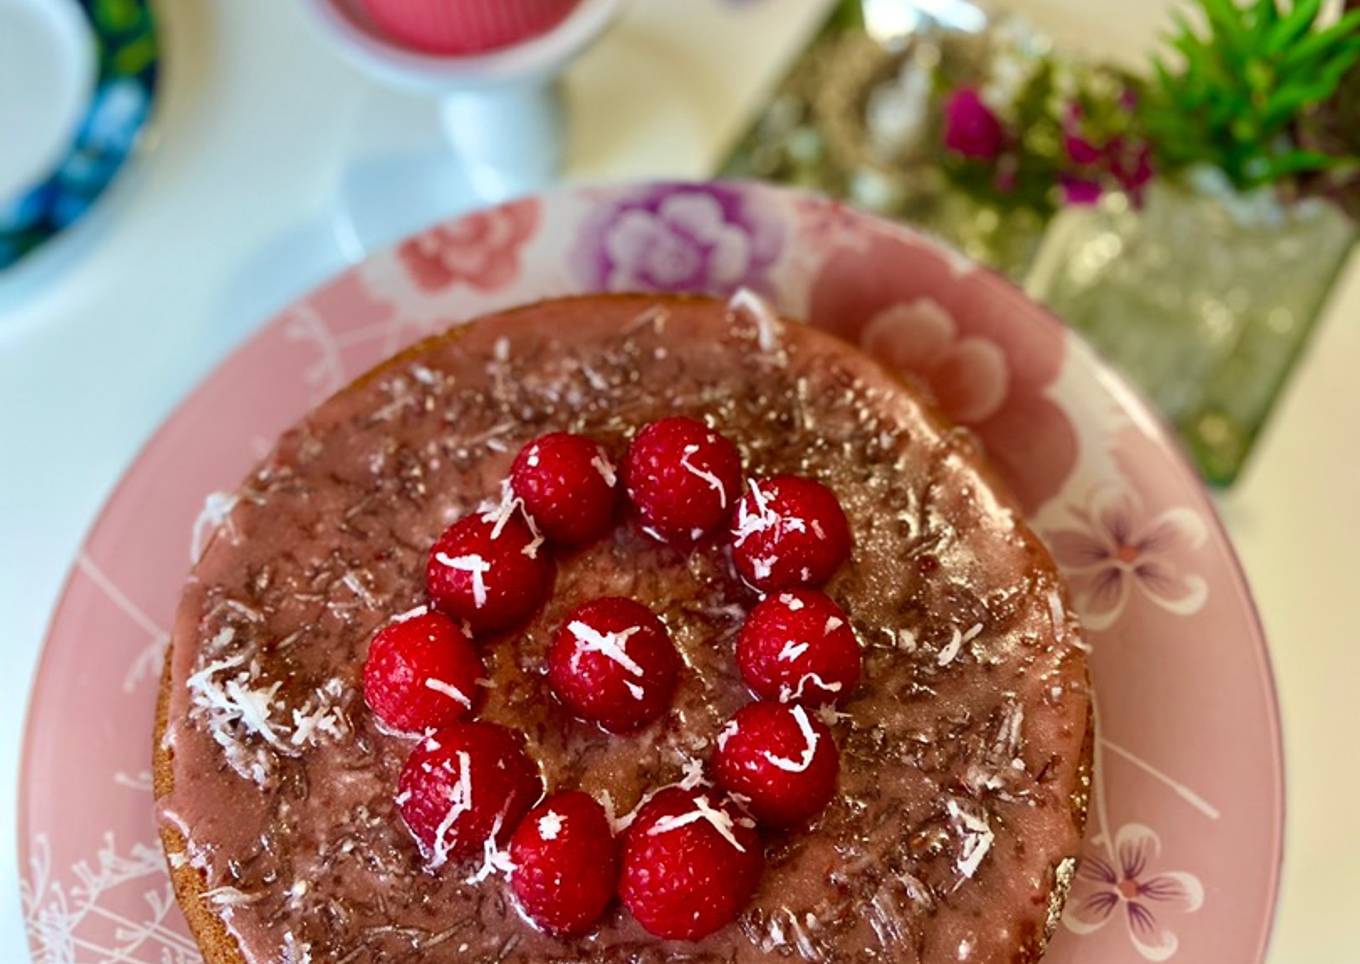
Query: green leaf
[
  {"x": 1220, "y": 96},
  {"x": 1345, "y": 54},
  {"x": 1293, "y": 26},
  {"x": 1320, "y": 41},
  {"x": 1280, "y": 109},
  {"x": 118, "y": 16},
  {"x": 1244, "y": 129},
  {"x": 1165, "y": 82},
  {"x": 1185, "y": 30},
  {"x": 134, "y": 57},
  {"x": 1226, "y": 21},
  {"x": 1202, "y": 67},
  {"x": 1259, "y": 75},
  {"x": 1299, "y": 162}
]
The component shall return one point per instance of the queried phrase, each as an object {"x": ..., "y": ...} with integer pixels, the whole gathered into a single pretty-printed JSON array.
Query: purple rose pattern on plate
[{"x": 709, "y": 238}]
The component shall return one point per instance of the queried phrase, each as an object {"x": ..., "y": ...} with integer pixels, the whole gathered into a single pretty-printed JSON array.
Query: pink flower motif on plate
[
  {"x": 1115, "y": 550},
  {"x": 1127, "y": 886},
  {"x": 967, "y": 375},
  {"x": 481, "y": 250},
  {"x": 962, "y": 341},
  {"x": 829, "y": 221}
]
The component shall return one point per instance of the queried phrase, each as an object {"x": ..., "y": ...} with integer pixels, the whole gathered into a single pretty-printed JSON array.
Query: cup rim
[{"x": 535, "y": 57}]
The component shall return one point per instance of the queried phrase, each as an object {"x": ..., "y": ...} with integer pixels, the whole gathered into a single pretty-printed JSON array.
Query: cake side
[
  {"x": 190, "y": 886},
  {"x": 971, "y": 492}
]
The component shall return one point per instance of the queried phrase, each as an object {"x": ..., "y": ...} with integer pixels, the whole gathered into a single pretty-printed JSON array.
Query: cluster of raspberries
[{"x": 688, "y": 858}]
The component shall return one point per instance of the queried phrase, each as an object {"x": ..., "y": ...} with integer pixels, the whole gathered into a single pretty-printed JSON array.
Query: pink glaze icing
[{"x": 963, "y": 781}]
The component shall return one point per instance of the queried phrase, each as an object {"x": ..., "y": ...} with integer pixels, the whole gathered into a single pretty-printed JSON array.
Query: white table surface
[{"x": 226, "y": 220}]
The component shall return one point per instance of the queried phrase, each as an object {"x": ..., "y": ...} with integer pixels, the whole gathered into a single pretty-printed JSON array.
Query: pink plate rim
[
  {"x": 1160, "y": 428},
  {"x": 1127, "y": 399}
]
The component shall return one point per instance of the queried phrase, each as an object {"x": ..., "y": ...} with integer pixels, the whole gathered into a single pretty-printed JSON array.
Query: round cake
[{"x": 964, "y": 748}]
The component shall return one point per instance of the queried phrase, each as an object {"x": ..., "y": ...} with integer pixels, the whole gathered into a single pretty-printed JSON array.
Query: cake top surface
[{"x": 963, "y": 751}]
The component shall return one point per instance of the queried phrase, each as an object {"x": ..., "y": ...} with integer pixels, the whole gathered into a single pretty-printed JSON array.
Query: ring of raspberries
[{"x": 689, "y": 857}]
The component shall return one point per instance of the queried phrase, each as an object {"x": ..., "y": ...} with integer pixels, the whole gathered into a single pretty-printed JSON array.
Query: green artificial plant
[{"x": 1241, "y": 84}]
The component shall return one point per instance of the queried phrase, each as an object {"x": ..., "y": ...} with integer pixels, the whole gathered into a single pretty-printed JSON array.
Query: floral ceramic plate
[{"x": 1184, "y": 845}]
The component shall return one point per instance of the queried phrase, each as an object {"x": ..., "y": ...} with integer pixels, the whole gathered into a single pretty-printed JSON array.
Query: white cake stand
[{"x": 455, "y": 132}]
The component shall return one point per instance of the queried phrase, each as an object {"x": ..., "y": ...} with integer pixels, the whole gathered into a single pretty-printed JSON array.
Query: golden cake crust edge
[{"x": 216, "y": 942}]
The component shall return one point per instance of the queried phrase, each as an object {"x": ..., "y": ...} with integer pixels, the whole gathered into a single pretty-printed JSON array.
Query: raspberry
[
  {"x": 789, "y": 531},
  {"x": 421, "y": 673},
  {"x": 568, "y": 486},
  {"x": 566, "y": 863},
  {"x": 780, "y": 759},
  {"x": 488, "y": 570},
  {"x": 690, "y": 863},
  {"x": 465, "y": 787},
  {"x": 613, "y": 662},
  {"x": 683, "y": 478},
  {"x": 797, "y": 646}
]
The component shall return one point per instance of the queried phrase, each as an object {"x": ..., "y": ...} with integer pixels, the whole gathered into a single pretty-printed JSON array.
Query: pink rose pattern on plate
[
  {"x": 480, "y": 250},
  {"x": 905, "y": 302},
  {"x": 1166, "y": 609},
  {"x": 969, "y": 376}
]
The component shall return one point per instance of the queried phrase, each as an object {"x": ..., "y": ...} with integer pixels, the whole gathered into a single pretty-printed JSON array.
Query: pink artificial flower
[
  {"x": 1125, "y": 163},
  {"x": 1079, "y": 149},
  {"x": 1079, "y": 190},
  {"x": 1131, "y": 165},
  {"x": 971, "y": 129},
  {"x": 1007, "y": 173}
]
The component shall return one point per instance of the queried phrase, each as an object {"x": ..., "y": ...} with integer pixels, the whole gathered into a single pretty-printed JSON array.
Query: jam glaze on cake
[{"x": 965, "y": 748}]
